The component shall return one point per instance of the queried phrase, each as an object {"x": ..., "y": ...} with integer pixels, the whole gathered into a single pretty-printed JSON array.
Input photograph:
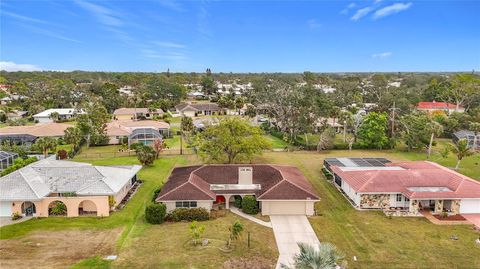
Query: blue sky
[{"x": 240, "y": 36}]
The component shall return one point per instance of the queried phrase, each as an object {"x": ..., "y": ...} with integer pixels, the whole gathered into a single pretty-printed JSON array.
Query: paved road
[{"x": 290, "y": 230}]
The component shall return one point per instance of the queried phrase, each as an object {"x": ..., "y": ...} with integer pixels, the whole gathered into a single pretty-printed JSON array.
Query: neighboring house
[
  {"x": 469, "y": 136},
  {"x": 143, "y": 131},
  {"x": 376, "y": 183},
  {"x": 10, "y": 98},
  {"x": 439, "y": 106},
  {"x": 196, "y": 95},
  {"x": 81, "y": 187},
  {"x": 128, "y": 113},
  {"x": 17, "y": 115},
  {"x": 7, "y": 159},
  {"x": 334, "y": 123},
  {"x": 26, "y": 135},
  {"x": 63, "y": 114},
  {"x": 280, "y": 190},
  {"x": 198, "y": 109}
]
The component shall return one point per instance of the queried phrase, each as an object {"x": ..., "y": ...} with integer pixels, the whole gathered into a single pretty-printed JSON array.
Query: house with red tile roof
[
  {"x": 280, "y": 190},
  {"x": 408, "y": 186},
  {"x": 439, "y": 106}
]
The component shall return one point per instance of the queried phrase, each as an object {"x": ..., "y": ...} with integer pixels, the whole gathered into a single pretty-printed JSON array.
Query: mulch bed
[{"x": 452, "y": 217}]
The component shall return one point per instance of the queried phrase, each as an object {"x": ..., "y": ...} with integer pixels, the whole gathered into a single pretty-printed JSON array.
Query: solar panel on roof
[{"x": 356, "y": 162}]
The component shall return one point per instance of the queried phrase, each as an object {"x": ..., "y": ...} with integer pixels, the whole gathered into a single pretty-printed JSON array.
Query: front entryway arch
[
  {"x": 87, "y": 207},
  {"x": 28, "y": 208}
]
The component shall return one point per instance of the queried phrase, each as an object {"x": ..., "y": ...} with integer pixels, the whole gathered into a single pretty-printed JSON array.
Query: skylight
[
  {"x": 429, "y": 189},
  {"x": 219, "y": 187}
]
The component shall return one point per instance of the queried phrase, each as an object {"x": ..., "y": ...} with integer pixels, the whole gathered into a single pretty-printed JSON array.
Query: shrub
[
  {"x": 340, "y": 145},
  {"x": 58, "y": 209},
  {"x": 249, "y": 205},
  {"x": 238, "y": 201},
  {"x": 189, "y": 214},
  {"x": 16, "y": 216},
  {"x": 155, "y": 213},
  {"x": 62, "y": 154},
  {"x": 327, "y": 174},
  {"x": 155, "y": 193}
]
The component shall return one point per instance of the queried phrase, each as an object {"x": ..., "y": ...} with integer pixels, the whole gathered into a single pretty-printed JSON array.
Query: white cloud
[
  {"x": 172, "y": 4},
  {"x": 104, "y": 15},
  {"x": 167, "y": 44},
  {"x": 382, "y": 55},
  {"x": 313, "y": 24},
  {"x": 13, "y": 67},
  {"x": 351, "y": 5},
  {"x": 24, "y": 18},
  {"x": 47, "y": 32},
  {"x": 361, "y": 13},
  {"x": 392, "y": 9}
]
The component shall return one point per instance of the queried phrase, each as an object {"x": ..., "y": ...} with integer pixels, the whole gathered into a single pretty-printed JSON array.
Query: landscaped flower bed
[{"x": 450, "y": 217}]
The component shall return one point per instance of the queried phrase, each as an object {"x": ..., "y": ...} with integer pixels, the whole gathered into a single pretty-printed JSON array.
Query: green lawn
[
  {"x": 276, "y": 142},
  {"x": 376, "y": 240}
]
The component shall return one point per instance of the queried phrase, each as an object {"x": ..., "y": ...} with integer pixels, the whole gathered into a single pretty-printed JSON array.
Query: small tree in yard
[
  {"x": 146, "y": 155},
  {"x": 196, "y": 231},
  {"x": 62, "y": 154},
  {"x": 249, "y": 205},
  {"x": 158, "y": 146},
  {"x": 155, "y": 213},
  {"x": 232, "y": 140},
  {"x": 235, "y": 231},
  {"x": 461, "y": 150}
]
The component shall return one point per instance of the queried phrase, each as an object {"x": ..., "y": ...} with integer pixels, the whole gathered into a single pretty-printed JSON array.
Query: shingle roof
[
  {"x": 434, "y": 181},
  {"x": 125, "y": 127},
  {"x": 41, "y": 178},
  {"x": 277, "y": 183}
]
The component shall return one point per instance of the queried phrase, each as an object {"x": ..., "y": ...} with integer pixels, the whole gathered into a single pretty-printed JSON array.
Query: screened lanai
[
  {"x": 145, "y": 136},
  {"x": 6, "y": 159},
  {"x": 18, "y": 139}
]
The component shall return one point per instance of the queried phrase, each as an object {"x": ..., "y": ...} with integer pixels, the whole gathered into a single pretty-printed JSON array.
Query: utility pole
[
  {"x": 181, "y": 143},
  {"x": 393, "y": 109}
]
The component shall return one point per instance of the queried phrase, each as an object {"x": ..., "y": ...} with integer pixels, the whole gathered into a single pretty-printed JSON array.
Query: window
[
  {"x": 399, "y": 197},
  {"x": 186, "y": 204},
  {"x": 407, "y": 200}
]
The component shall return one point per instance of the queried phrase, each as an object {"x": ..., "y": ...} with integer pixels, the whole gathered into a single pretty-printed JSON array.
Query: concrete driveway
[
  {"x": 290, "y": 230},
  {"x": 473, "y": 218}
]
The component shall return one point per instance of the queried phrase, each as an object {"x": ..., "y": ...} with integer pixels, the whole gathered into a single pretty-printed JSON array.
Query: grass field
[
  {"x": 276, "y": 142},
  {"x": 373, "y": 238}
]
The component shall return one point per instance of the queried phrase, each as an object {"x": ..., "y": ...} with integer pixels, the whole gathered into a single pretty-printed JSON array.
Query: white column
[{"x": 227, "y": 201}]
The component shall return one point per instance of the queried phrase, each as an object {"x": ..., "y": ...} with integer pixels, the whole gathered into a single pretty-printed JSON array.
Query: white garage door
[
  {"x": 5, "y": 209},
  {"x": 287, "y": 208},
  {"x": 470, "y": 206}
]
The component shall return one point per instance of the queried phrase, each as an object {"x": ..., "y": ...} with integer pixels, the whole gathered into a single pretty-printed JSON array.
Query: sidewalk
[
  {"x": 4, "y": 221},
  {"x": 246, "y": 216}
]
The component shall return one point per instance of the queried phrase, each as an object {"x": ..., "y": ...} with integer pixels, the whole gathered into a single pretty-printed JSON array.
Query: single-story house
[
  {"x": 26, "y": 135},
  {"x": 130, "y": 113},
  {"x": 17, "y": 114},
  {"x": 371, "y": 183},
  {"x": 334, "y": 123},
  {"x": 439, "y": 106},
  {"x": 63, "y": 114},
  {"x": 82, "y": 188},
  {"x": 280, "y": 190},
  {"x": 197, "y": 109},
  {"x": 469, "y": 136},
  {"x": 136, "y": 131}
]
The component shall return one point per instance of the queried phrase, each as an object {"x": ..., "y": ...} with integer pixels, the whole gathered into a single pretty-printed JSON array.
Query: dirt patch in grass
[
  {"x": 59, "y": 249},
  {"x": 251, "y": 263}
]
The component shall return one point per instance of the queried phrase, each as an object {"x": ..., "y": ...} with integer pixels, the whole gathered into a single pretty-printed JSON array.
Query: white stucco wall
[
  {"x": 43, "y": 119},
  {"x": 355, "y": 197},
  {"x": 123, "y": 191}
]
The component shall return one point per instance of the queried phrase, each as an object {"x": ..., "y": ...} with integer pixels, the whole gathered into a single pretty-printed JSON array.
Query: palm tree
[
  {"x": 235, "y": 231},
  {"x": 73, "y": 135},
  {"x": 326, "y": 256},
  {"x": 436, "y": 129},
  {"x": 460, "y": 149},
  {"x": 475, "y": 128},
  {"x": 45, "y": 144}
]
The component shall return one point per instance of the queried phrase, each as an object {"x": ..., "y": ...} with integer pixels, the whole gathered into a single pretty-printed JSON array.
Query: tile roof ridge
[
  {"x": 293, "y": 183},
  {"x": 198, "y": 187},
  {"x": 376, "y": 172},
  {"x": 462, "y": 176},
  {"x": 28, "y": 183}
]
